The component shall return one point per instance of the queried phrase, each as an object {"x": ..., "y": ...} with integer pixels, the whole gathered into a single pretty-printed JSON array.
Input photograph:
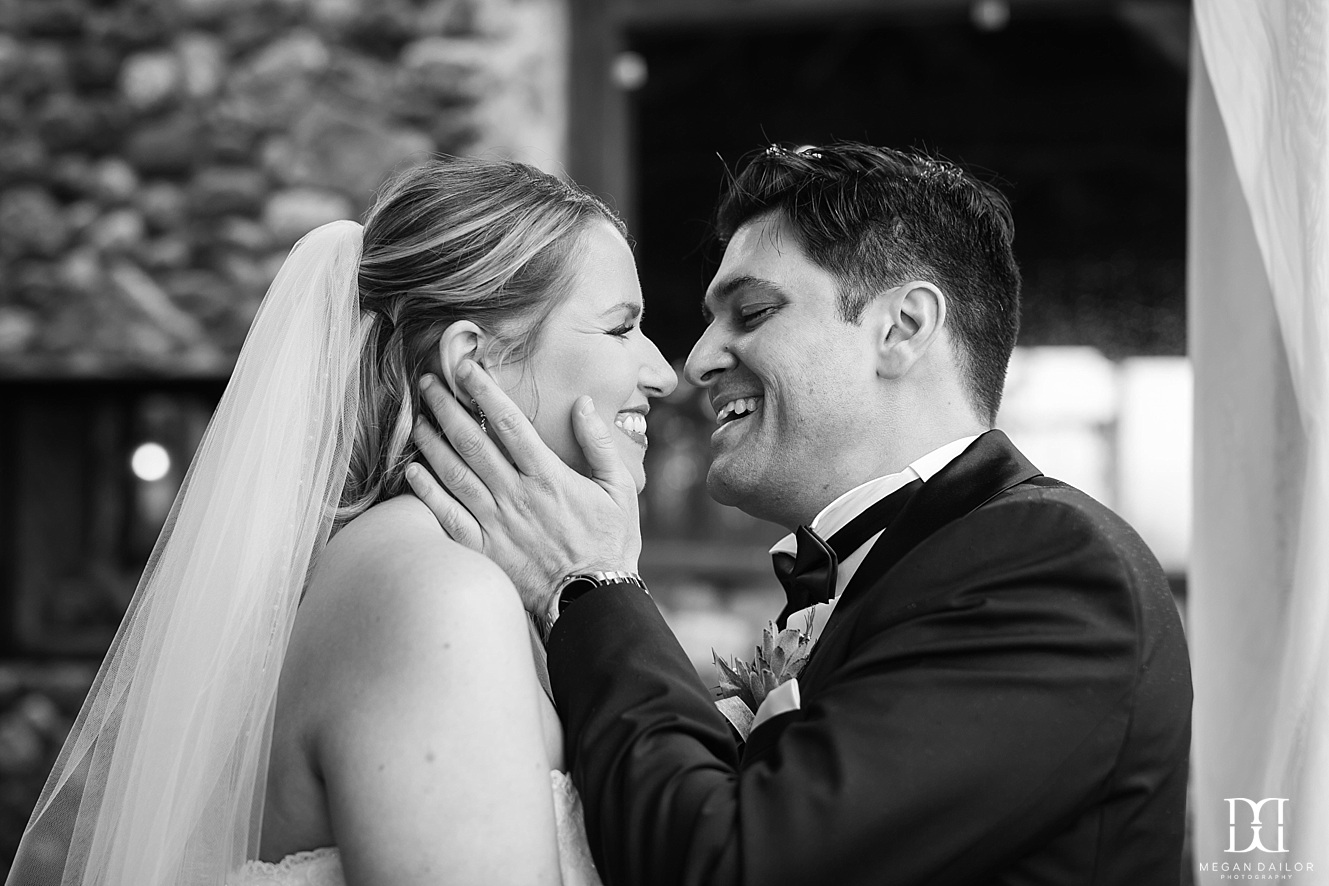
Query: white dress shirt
[
  {"x": 835, "y": 516},
  {"x": 839, "y": 513}
]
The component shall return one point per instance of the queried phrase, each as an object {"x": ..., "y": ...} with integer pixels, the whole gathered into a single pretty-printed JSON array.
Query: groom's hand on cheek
[{"x": 538, "y": 519}]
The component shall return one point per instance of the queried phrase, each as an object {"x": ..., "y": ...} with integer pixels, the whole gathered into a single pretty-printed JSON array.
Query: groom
[{"x": 1001, "y": 693}]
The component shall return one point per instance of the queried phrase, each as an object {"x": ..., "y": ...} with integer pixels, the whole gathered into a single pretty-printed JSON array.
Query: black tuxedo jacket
[{"x": 1002, "y": 695}]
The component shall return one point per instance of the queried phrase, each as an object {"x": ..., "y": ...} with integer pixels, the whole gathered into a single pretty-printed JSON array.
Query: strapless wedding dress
[{"x": 322, "y": 867}]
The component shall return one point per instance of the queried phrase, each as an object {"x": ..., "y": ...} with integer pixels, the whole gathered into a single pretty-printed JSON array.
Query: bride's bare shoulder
[
  {"x": 403, "y": 643},
  {"x": 393, "y": 579},
  {"x": 398, "y": 546}
]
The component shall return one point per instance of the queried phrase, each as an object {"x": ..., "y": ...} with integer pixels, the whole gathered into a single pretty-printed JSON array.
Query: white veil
[{"x": 162, "y": 779}]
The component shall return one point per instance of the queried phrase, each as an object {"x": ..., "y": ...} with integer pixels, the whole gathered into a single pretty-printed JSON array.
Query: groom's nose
[{"x": 709, "y": 358}]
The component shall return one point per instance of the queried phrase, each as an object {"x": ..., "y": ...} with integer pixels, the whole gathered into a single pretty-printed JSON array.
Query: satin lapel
[{"x": 989, "y": 467}]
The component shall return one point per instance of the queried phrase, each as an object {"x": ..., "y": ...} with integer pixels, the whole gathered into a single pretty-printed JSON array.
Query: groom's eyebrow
[{"x": 719, "y": 294}]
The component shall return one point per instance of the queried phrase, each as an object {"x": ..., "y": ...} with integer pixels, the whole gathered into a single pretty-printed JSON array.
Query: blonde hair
[{"x": 454, "y": 239}]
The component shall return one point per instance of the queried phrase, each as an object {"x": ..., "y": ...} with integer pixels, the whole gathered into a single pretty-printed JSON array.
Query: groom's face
[{"x": 789, "y": 379}]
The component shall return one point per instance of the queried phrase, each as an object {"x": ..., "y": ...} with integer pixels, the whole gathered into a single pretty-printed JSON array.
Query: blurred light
[
  {"x": 1063, "y": 385},
  {"x": 1154, "y": 455},
  {"x": 150, "y": 462},
  {"x": 1058, "y": 405},
  {"x": 630, "y": 71},
  {"x": 990, "y": 15}
]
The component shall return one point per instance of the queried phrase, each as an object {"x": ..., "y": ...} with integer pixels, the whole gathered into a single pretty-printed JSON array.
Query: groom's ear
[
  {"x": 462, "y": 340},
  {"x": 909, "y": 318}
]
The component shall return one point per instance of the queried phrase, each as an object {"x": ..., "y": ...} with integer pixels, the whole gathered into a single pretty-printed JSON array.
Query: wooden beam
[
  {"x": 598, "y": 131},
  {"x": 669, "y": 13}
]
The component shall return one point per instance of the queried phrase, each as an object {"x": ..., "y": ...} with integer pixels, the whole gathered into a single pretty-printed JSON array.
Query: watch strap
[{"x": 578, "y": 584}]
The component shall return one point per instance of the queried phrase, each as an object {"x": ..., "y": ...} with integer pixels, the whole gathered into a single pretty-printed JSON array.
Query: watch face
[{"x": 572, "y": 591}]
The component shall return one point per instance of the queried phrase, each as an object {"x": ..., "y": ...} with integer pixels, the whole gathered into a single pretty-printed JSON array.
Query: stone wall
[{"x": 159, "y": 157}]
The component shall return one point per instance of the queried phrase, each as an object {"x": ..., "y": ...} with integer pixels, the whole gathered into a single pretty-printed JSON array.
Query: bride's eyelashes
[{"x": 623, "y": 331}]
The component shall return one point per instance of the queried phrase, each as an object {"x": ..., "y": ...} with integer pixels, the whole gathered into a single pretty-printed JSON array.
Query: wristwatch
[{"x": 581, "y": 583}]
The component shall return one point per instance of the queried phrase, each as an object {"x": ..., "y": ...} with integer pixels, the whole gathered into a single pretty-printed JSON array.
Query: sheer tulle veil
[{"x": 162, "y": 779}]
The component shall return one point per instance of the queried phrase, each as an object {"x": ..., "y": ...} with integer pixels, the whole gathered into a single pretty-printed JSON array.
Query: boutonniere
[{"x": 744, "y": 685}]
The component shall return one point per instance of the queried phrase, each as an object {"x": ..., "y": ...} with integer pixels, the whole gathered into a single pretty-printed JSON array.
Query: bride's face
[{"x": 592, "y": 343}]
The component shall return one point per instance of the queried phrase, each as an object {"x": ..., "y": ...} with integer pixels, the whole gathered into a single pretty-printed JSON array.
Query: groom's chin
[{"x": 725, "y": 487}]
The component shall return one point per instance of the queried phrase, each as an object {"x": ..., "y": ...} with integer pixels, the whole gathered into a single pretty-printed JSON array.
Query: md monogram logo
[{"x": 1256, "y": 825}]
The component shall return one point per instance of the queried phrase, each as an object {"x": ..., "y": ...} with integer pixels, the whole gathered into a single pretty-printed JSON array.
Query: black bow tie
[{"x": 809, "y": 576}]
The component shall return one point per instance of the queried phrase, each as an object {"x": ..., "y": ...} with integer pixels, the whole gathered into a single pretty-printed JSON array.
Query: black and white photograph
[{"x": 664, "y": 442}]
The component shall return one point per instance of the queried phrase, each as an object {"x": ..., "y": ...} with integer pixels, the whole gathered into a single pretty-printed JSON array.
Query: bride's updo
[{"x": 488, "y": 241}]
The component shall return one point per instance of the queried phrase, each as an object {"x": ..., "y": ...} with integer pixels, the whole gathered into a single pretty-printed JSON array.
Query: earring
[{"x": 484, "y": 420}]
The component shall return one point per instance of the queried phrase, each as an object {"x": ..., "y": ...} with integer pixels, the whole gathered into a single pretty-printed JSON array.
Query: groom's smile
[
  {"x": 735, "y": 416},
  {"x": 734, "y": 408}
]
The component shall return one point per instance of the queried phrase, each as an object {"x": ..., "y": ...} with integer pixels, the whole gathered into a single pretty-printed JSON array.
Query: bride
[{"x": 314, "y": 684}]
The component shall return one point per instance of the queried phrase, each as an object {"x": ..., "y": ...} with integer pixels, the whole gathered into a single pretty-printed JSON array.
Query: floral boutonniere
[{"x": 744, "y": 685}]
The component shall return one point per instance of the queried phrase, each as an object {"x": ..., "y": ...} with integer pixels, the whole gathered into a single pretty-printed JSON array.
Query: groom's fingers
[
  {"x": 598, "y": 446},
  {"x": 513, "y": 429},
  {"x": 481, "y": 466},
  {"x": 456, "y": 521},
  {"x": 457, "y": 477}
]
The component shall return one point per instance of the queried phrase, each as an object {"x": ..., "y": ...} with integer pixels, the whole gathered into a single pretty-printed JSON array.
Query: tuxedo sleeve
[{"x": 980, "y": 704}]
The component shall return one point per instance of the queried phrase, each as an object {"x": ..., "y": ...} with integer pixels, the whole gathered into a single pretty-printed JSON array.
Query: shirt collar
[{"x": 836, "y": 515}]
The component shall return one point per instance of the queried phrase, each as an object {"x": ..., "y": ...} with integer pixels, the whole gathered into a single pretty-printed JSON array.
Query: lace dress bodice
[
  {"x": 322, "y": 867},
  {"x": 318, "y": 867}
]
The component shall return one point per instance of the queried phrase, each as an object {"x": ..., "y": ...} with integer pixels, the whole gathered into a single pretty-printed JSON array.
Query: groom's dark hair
[{"x": 876, "y": 218}]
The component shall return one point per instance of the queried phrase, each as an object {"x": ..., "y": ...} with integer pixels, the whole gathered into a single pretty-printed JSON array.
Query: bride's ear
[{"x": 462, "y": 340}]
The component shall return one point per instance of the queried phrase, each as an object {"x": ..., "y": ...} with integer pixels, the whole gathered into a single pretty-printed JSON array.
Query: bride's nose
[{"x": 658, "y": 378}]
